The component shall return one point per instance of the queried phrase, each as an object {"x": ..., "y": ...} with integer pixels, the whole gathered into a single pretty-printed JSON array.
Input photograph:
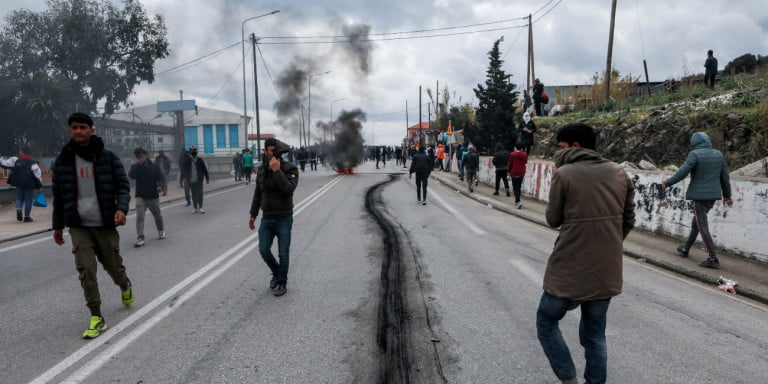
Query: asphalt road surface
[{"x": 381, "y": 289}]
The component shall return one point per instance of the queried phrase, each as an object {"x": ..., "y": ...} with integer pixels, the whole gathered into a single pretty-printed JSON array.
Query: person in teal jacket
[
  {"x": 247, "y": 165},
  {"x": 709, "y": 182}
]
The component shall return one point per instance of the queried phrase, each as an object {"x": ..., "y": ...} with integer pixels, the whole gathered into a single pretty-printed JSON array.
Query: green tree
[
  {"x": 100, "y": 50},
  {"x": 496, "y": 107},
  {"x": 744, "y": 63}
]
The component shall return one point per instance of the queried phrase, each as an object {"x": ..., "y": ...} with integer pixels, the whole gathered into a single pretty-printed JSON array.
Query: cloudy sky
[{"x": 570, "y": 41}]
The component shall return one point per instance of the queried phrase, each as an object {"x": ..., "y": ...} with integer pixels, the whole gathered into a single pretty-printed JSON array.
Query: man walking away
[
  {"x": 149, "y": 181},
  {"x": 471, "y": 164},
  {"x": 302, "y": 156},
  {"x": 193, "y": 172},
  {"x": 276, "y": 179},
  {"x": 26, "y": 177},
  {"x": 237, "y": 164},
  {"x": 592, "y": 201},
  {"x": 459, "y": 157},
  {"x": 501, "y": 163},
  {"x": 709, "y": 177},
  {"x": 421, "y": 165},
  {"x": 164, "y": 164},
  {"x": 247, "y": 165},
  {"x": 398, "y": 155},
  {"x": 710, "y": 72},
  {"x": 517, "y": 162},
  {"x": 313, "y": 159},
  {"x": 91, "y": 193}
]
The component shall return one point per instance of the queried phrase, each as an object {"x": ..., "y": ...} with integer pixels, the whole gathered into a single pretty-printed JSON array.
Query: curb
[
  {"x": 744, "y": 291},
  {"x": 165, "y": 202}
]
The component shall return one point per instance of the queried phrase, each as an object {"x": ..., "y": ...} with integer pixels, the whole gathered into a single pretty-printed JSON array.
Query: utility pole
[
  {"x": 418, "y": 144},
  {"x": 180, "y": 122},
  {"x": 531, "y": 66},
  {"x": 256, "y": 89},
  {"x": 610, "y": 53},
  {"x": 406, "y": 120}
]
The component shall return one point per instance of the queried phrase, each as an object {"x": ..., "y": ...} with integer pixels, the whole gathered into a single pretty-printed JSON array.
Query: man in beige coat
[{"x": 592, "y": 201}]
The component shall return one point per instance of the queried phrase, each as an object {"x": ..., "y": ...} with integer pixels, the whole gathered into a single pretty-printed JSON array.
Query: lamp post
[
  {"x": 242, "y": 43},
  {"x": 332, "y": 121},
  {"x": 309, "y": 97}
]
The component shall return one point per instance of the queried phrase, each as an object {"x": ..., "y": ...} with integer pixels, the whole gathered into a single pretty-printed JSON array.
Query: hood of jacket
[
  {"x": 87, "y": 152},
  {"x": 700, "y": 140},
  {"x": 574, "y": 155}
]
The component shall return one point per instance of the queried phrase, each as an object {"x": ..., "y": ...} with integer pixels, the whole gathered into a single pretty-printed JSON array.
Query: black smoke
[
  {"x": 358, "y": 46},
  {"x": 347, "y": 150},
  {"x": 292, "y": 89}
]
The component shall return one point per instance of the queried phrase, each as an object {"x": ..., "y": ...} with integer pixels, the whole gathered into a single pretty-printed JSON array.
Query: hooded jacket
[
  {"x": 591, "y": 199},
  {"x": 148, "y": 177},
  {"x": 199, "y": 164},
  {"x": 501, "y": 158},
  {"x": 525, "y": 137},
  {"x": 709, "y": 173},
  {"x": 274, "y": 189},
  {"x": 470, "y": 161},
  {"x": 440, "y": 152},
  {"x": 517, "y": 163},
  {"x": 420, "y": 164},
  {"x": 113, "y": 191}
]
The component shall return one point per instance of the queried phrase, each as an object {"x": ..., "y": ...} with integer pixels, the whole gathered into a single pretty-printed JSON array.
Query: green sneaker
[
  {"x": 127, "y": 295},
  {"x": 97, "y": 325}
]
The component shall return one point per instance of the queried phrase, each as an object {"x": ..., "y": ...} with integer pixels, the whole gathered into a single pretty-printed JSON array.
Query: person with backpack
[
  {"x": 26, "y": 177},
  {"x": 538, "y": 96}
]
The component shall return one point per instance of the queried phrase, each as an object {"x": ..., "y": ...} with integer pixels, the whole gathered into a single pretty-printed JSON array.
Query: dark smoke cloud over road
[{"x": 347, "y": 151}]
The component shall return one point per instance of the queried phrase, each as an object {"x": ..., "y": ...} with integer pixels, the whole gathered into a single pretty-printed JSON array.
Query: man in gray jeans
[
  {"x": 149, "y": 183},
  {"x": 709, "y": 177}
]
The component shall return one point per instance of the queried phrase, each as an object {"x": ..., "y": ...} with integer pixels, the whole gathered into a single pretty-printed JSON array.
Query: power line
[
  {"x": 549, "y": 10},
  {"x": 237, "y": 67},
  {"x": 197, "y": 60},
  {"x": 269, "y": 74}
]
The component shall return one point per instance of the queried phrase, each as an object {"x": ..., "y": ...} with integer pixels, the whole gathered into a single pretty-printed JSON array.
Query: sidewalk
[
  {"x": 644, "y": 246},
  {"x": 11, "y": 229}
]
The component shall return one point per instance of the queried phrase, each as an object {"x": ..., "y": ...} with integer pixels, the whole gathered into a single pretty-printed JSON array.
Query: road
[{"x": 380, "y": 290}]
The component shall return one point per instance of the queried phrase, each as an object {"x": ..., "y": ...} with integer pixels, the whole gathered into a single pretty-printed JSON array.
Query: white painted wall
[{"x": 739, "y": 229}]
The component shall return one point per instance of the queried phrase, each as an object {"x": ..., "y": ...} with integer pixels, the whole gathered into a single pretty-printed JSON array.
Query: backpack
[{"x": 544, "y": 98}]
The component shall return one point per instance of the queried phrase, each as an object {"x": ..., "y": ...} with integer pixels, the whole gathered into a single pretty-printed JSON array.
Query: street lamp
[
  {"x": 242, "y": 43},
  {"x": 332, "y": 121},
  {"x": 309, "y": 101}
]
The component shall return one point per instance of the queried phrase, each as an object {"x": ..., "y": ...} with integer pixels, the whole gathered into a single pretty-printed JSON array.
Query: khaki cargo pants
[{"x": 90, "y": 245}]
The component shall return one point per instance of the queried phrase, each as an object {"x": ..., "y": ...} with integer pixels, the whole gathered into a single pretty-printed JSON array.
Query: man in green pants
[{"x": 90, "y": 196}]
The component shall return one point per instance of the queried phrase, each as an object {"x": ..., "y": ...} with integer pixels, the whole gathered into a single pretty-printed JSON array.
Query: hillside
[{"x": 659, "y": 127}]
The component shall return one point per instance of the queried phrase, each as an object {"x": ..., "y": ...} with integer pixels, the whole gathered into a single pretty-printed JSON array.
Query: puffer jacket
[
  {"x": 501, "y": 158},
  {"x": 591, "y": 199},
  {"x": 274, "y": 189},
  {"x": 709, "y": 173},
  {"x": 113, "y": 191}
]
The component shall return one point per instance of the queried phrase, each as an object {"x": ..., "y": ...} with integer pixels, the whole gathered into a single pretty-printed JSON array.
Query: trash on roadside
[
  {"x": 727, "y": 285},
  {"x": 490, "y": 205}
]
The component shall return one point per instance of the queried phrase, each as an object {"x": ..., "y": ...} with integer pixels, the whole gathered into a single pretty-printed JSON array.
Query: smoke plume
[
  {"x": 359, "y": 48},
  {"x": 347, "y": 151},
  {"x": 292, "y": 89}
]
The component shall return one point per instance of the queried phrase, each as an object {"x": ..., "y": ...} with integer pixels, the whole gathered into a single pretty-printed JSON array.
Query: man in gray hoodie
[{"x": 709, "y": 177}]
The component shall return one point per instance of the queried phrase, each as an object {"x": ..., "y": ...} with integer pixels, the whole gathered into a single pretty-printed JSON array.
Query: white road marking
[
  {"x": 463, "y": 219},
  {"x": 104, "y": 356}
]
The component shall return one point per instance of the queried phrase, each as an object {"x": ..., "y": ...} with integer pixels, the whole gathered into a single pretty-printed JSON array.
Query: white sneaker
[
  {"x": 424, "y": 202},
  {"x": 139, "y": 242},
  {"x": 161, "y": 235},
  {"x": 201, "y": 210},
  {"x": 195, "y": 210}
]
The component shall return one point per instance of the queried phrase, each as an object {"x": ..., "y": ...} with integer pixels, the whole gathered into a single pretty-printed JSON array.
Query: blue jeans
[
  {"x": 268, "y": 229},
  {"x": 591, "y": 336},
  {"x": 24, "y": 197}
]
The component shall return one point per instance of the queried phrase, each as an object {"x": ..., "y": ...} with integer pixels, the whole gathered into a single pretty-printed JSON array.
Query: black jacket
[
  {"x": 420, "y": 164},
  {"x": 525, "y": 137},
  {"x": 148, "y": 177},
  {"x": 538, "y": 89},
  {"x": 501, "y": 158},
  {"x": 471, "y": 162},
  {"x": 113, "y": 191},
  {"x": 186, "y": 169},
  {"x": 274, "y": 189}
]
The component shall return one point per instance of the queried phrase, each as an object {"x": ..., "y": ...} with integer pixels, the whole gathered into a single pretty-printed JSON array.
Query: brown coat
[{"x": 592, "y": 201}]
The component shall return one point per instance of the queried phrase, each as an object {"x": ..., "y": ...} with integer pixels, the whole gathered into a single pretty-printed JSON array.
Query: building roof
[{"x": 147, "y": 114}]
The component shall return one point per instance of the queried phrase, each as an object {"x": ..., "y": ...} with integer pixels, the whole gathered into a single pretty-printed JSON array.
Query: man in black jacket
[
  {"x": 471, "y": 163},
  {"x": 193, "y": 171},
  {"x": 276, "y": 179},
  {"x": 149, "y": 182},
  {"x": 422, "y": 166},
  {"x": 501, "y": 163},
  {"x": 90, "y": 196}
]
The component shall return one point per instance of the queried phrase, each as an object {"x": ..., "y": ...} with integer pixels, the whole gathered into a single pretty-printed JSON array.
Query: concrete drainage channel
[{"x": 398, "y": 320}]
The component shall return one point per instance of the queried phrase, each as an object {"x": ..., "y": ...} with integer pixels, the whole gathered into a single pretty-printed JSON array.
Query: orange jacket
[{"x": 440, "y": 152}]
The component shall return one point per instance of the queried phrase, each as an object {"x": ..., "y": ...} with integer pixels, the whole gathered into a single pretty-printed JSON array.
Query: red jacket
[{"x": 517, "y": 162}]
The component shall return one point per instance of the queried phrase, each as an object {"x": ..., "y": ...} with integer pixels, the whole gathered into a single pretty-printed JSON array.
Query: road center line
[
  {"x": 463, "y": 219},
  {"x": 116, "y": 347}
]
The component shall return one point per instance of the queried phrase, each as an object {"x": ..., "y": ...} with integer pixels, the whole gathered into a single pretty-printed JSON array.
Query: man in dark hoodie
[
  {"x": 276, "y": 179},
  {"x": 422, "y": 166},
  {"x": 471, "y": 163},
  {"x": 90, "y": 196},
  {"x": 149, "y": 183},
  {"x": 709, "y": 177},
  {"x": 193, "y": 171},
  {"x": 591, "y": 199},
  {"x": 501, "y": 163}
]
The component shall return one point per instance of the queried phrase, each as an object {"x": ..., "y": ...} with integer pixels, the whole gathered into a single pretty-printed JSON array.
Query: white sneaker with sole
[{"x": 161, "y": 235}]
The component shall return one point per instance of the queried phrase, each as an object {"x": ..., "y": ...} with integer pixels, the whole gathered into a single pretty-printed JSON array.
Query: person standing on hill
[
  {"x": 709, "y": 182},
  {"x": 710, "y": 72},
  {"x": 501, "y": 163},
  {"x": 26, "y": 177},
  {"x": 538, "y": 99},
  {"x": 527, "y": 128}
]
